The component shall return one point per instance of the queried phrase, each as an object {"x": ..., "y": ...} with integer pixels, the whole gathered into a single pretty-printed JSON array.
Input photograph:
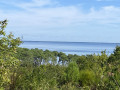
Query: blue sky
[{"x": 63, "y": 20}]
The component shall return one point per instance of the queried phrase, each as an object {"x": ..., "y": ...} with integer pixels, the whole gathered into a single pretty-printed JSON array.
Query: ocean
[{"x": 79, "y": 48}]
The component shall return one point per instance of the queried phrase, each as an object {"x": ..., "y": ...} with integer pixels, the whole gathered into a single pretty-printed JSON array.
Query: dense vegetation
[{"x": 35, "y": 69}]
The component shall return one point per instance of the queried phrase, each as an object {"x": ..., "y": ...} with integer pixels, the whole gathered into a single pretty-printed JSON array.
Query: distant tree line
[{"x": 35, "y": 69}]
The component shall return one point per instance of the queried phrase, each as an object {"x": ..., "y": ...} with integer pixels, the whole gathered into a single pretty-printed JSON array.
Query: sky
[{"x": 63, "y": 20}]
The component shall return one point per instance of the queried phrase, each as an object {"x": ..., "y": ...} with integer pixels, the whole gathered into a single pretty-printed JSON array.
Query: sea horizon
[
  {"x": 79, "y": 48},
  {"x": 71, "y": 41}
]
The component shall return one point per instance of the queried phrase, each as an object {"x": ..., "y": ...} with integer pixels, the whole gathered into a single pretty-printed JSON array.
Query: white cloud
[
  {"x": 35, "y": 4},
  {"x": 106, "y": 15},
  {"x": 58, "y": 22},
  {"x": 59, "y": 16}
]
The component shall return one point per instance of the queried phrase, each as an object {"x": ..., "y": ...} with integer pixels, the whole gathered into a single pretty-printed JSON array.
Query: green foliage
[
  {"x": 8, "y": 63},
  {"x": 69, "y": 86},
  {"x": 72, "y": 72},
  {"x": 87, "y": 77}
]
